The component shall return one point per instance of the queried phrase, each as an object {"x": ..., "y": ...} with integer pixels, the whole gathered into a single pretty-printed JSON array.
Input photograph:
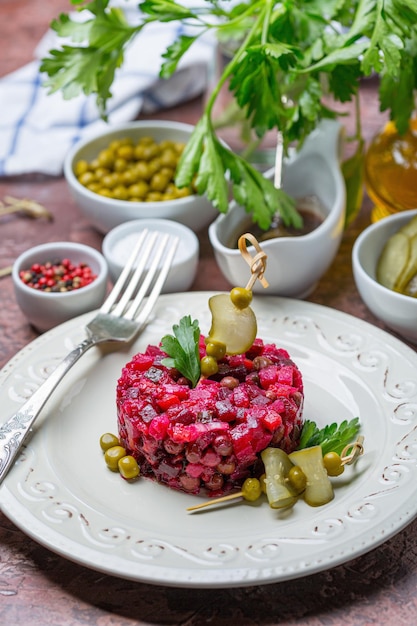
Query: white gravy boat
[{"x": 294, "y": 264}]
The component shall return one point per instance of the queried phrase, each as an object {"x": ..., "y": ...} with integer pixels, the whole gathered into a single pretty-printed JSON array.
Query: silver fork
[{"x": 122, "y": 316}]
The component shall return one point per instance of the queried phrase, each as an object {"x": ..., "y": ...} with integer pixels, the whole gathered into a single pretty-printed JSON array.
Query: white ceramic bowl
[
  {"x": 103, "y": 213},
  {"x": 294, "y": 264},
  {"x": 397, "y": 311},
  {"x": 118, "y": 244},
  {"x": 44, "y": 310}
]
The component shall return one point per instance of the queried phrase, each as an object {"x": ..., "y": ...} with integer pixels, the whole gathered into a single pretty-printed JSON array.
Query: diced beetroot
[
  {"x": 256, "y": 350},
  {"x": 195, "y": 469},
  {"x": 241, "y": 396},
  {"x": 238, "y": 360},
  {"x": 141, "y": 362},
  {"x": 226, "y": 410},
  {"x": 283, "y": 391},
  {"x": 208, "y": 439},
  {"x": 158, "y": 427},
  {"x": 261, "y": 440},
  {"x": 270, "y": 349},
  {"x": 154, "y": 351},
  {"x": 268, "y": 376},
  {"x": 285, "y": 375},
  {"x": 181, "y": 391},
  {"x": 217, "y": 427},
  {"x": 167, "y": 400},
  {"x": 186, "y": 432},
  {"x": 242, "y": 444},
  {"x": 272, "y": 420}
]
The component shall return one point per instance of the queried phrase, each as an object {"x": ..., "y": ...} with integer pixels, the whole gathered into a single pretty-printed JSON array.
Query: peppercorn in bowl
[
  {"x": 128, "y": 172},
  {"x": 56, "y": 281}
]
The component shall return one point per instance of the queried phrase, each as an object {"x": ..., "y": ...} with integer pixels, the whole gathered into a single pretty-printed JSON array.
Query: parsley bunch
[
  {"x": 288, "y": 57},
  {"x": 332, "y": 438}
]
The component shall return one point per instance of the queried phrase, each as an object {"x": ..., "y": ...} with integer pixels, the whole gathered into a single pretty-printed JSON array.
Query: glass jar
[{"x": 391, "y": 170}]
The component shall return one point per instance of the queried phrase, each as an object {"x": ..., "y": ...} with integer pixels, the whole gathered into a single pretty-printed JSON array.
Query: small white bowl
[
  {"x": 294, "y": 264},
  {"x": 44, "y": 310},
  {"x": 120, "y": 241},
  {"x": 397, "y": 311},
  {"x": 103, "y": 213}
]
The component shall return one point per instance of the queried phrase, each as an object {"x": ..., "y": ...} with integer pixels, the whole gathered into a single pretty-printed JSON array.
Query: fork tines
[{"x": 144, "y": 273}]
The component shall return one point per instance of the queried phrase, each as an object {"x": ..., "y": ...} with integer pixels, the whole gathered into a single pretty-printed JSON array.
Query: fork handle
[{"x": 15, "y": 430}]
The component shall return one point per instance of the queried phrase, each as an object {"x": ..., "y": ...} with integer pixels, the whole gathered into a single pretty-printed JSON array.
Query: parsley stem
[
  {"x": 358, "y": 116},
  {"x": 235, "y": 60},
  {"x": 267, "y": 21}
]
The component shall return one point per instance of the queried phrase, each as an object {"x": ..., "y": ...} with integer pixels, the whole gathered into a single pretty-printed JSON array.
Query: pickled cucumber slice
[
  {"x": 411, "y": 289},
  {"x": 279, "y": 491},
  {"x": 234, "y": 327},
  {"x": 319, "y": 489},
  {"x": 411, "y": 268},
  {"x": 410, "y": 229},
  {"x": 393, "y": 260}
]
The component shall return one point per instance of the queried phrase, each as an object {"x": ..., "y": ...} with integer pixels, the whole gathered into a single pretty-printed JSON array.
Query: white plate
[{"x": 61, "y": 494}]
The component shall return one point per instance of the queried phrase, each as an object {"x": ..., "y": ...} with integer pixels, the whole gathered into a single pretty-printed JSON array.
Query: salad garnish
[
  {"x": 332, "y": 438},
  {"x": 182, "y": 349}
]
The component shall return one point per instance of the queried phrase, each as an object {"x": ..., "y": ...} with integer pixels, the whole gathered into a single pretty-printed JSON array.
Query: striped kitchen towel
[{"x": 37, "y": 129}]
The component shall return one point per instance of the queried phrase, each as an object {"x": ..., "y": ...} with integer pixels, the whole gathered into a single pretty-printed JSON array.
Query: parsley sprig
[
  {"x": 332, "y": 438},
  {"x": 288, "y": 57},
  {"x": 182, "y": 348}
]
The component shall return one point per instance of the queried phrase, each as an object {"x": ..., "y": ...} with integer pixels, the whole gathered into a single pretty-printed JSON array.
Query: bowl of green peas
[{"x": 127, "y": 172}]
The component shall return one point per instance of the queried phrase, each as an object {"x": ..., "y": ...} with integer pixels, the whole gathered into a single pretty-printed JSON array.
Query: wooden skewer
[
  {"x": 231, "y": 496},
  {"x": 257, "y": 263},
  {"x": 355, "y": 448}
]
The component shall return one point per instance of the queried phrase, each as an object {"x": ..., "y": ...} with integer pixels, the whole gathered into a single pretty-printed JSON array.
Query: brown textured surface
[{"x": 39, "y": 588}]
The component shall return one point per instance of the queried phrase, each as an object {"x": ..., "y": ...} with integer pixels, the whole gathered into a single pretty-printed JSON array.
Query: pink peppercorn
[{"x": 58, "y": 276}]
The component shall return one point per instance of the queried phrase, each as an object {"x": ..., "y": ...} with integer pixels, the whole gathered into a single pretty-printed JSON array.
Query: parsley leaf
[
  {"x": 165, "y": 10},
  {"x": 88, "y": 68},
  {"x": 256, "y": 85},
  {"x": 395, "y": 94},
  {"x": 207, "y": 163},
  {"x": 332, "y": 438},
  {"x": 288, "y": 60},
  {"x": 174, "y": 53},
  {"x": 258, "y": 194},
  {"x": 183, "y": 349}
]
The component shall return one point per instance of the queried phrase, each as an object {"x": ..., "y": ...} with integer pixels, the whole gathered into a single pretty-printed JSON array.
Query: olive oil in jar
[{"x": 391, "y": 170}]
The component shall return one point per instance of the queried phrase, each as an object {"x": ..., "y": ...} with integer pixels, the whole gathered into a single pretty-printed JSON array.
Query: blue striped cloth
[{"x": 37, "y": 129}]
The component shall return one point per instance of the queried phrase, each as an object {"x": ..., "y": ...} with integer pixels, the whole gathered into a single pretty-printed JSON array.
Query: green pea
[
  {"x": 108, "y": 440},
  {"x": 128, "y": 467},
  {"x": 251, "y": 489},
  {"x": 112, "y": 457}
]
